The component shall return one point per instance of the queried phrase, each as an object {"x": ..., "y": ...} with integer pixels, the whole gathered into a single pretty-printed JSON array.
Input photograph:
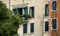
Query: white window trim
[
  {"x": 28, "y": 10},
  {"x": 56, "y": 24},
  {"x": 51, "y": 8},
  {"x": 23, "y": 11}
]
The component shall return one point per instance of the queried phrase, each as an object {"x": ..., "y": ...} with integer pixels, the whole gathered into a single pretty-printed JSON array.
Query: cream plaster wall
[{"x": 39, "y": 6}]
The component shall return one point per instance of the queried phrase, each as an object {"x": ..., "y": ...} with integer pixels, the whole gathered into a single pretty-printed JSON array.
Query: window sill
[
  {"x": 54, "y": 29},
  {"x": 31, "y": 18},
  {"x": 28, "y": 33},
  {"x": 46, "y": 16},
  {"x": 53, "y": 10},
  {"x": 24, "y": 33},
  {"x": 31, "y": 33},
  {"x": 46, "y": 31}
]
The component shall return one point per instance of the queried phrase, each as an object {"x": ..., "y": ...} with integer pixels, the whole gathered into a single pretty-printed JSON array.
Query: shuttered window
[
  {"x": 20, "y": 11},
  {"x": 32, "y": 12}
]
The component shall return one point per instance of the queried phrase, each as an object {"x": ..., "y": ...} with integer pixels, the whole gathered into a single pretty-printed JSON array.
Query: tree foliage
[{"x": 8, "y": 23}]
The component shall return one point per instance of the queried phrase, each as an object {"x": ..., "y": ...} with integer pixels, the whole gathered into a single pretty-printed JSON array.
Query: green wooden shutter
[
  {"x": 46, "y": 10},
  {"x": 32, "y": 12},
  {"x": 26, "y": 11}
]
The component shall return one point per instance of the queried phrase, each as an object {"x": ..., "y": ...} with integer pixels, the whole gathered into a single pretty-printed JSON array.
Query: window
[
  {"x": 20, "y": 10},
  {"x": 54, "y": 5},
  {"x": 54, "y": 23},
  {"x": 46, "y": 26},
  {"x": 32, "y": 12},
  {"x": 24, "y": 28},
  {"x": 32, "y": 27},
  {"x": 46, "y": 10},
  {"x": 15, "y": 11}
]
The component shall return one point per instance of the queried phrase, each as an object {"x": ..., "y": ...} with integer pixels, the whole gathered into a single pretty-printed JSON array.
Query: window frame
[
  {"x": 24, "y": 32},
  {"x": 55, "y": 5},
  {"x": 46, "y": 11},
  {"x": 31, "y": 28},
  {"x": 48, "y": 26},
  {"x": 52, "y": 24}
]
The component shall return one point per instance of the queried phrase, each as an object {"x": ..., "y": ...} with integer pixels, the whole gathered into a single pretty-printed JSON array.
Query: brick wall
[{"x": 55, "y": 14}]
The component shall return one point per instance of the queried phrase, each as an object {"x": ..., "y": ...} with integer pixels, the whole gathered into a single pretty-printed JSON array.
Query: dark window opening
[
  {"x": 32, "y": 27},
  {"x": 24, "y": 28},
  {"x": 20, "y": 10},
  {"x": 54, "y": 23},
  {"x": 15, "y": 11},
  {"x": 54, "y": 5},
  {"x": 46, "y": 10},
  {"x": 46, "y": 26}
]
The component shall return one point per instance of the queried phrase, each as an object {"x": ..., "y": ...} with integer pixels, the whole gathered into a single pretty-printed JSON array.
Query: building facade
[
  {"x": 37, "y": 24},
  {"x": 46, "y": 28},
  {"x": 54, "y": 17}
]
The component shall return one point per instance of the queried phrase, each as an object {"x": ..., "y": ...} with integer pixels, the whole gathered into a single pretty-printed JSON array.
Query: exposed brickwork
[{"x": 55, "y": 14}]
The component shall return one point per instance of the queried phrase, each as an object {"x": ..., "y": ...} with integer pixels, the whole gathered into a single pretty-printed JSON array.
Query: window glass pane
[
  {"x": 54, "y": 5},
  {"x": 32, "y": 27},
  {"x": 46, "y": 10},
  {"x": 54, "y": 23},
  {"x": 46, "y": 26},
  {"x": 24, "y": 28}
]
